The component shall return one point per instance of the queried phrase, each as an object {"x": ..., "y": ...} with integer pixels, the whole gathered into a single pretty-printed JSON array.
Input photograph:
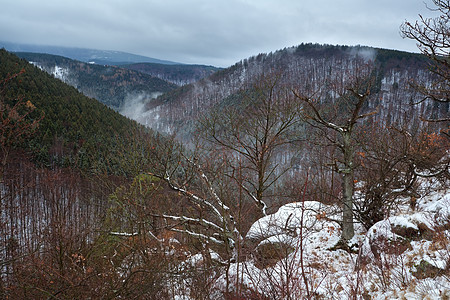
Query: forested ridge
[
  {"x": 110, "y": 85},
  {"x": 75, "y": 131},
  {"x": 310, "y": 65},
  {"x": 178, "y": 74}
]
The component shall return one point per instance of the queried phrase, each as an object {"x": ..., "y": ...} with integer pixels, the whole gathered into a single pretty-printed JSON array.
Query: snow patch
[{"x": 60, "y": 73}]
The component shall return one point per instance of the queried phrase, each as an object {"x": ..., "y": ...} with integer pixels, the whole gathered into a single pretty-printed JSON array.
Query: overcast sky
[{"x": 212, "y": 32}]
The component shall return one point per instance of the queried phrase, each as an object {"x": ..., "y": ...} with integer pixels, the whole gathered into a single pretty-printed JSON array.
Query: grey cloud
[{"x": 217, "y": 32}]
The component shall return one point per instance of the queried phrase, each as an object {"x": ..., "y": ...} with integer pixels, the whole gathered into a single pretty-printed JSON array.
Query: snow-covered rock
[
  {"x": 410, "y": 250},
  {"x": 276, "y": 236},
  {"x": 289, "y": 219}
]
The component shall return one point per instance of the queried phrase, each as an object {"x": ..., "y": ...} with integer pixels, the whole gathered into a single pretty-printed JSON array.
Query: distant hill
[
  {"x": 306, "y": 65},
  {"x": 104, "y": 57},
  {"x": 76, "y": 130},
  {"x": 111, "y": 85},
  {"x": 177, "y": 74}
]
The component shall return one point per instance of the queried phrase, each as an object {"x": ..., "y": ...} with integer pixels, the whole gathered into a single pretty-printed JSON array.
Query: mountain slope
[
  {"x": 86, "y": 55},
  {"x": 75, "y": 130},
  {"x": 305, "y": 66},
  {"x": 111, "y": 85}
]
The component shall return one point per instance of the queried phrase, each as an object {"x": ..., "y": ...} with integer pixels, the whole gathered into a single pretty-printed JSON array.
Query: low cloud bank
[{"x": 134, "y": 106}]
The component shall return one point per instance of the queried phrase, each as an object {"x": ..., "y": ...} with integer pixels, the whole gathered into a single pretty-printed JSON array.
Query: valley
[{"x": 311, "y": 172}]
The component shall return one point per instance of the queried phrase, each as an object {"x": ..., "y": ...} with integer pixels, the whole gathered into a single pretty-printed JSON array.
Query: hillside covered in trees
[
  {"x": 177, "y": 73},
  {"x": 73, "y": 130},
  {"x": 61, "y": 154},
  {"x": 296, "y": 67}
]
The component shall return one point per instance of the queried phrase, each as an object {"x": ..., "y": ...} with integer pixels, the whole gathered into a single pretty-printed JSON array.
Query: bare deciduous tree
[
  {"x": 249, "y": 139},
  {"x": 391, "y": 167},
  {"x": 251, "y": 132},
  {"x": 433, "y": 40},
  {"x": 348, "y": 96}
]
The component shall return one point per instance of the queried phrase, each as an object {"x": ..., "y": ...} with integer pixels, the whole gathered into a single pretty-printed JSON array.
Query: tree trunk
[
  {"x": 348, "y": 230},
  {"x": 347, "y": 209}
]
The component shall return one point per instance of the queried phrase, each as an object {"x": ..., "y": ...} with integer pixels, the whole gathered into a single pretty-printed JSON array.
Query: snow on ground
[
  {"x": 405, "y": 256},
  {"x": 57, "y": 71}
]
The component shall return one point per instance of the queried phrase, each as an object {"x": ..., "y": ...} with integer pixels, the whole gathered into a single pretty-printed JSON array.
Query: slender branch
[
  {"x": 199, "y": 235},
  {"x": 258, "y": 202},
  {"x": 201, "y": 222}
]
